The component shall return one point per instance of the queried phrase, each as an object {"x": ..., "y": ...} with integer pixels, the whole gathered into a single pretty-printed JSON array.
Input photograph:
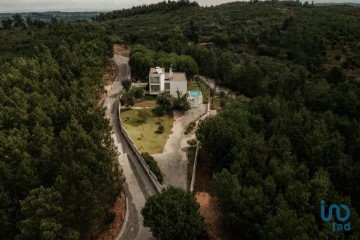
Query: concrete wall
[
  {"x": 193, "y": 177},
  {"x": 146, "y": 167},
  {"x": 178, "y": 85},
  {"x": 195, "y": 101}
]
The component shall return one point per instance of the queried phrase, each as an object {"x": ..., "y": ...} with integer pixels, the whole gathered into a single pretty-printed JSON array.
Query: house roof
[
  {"x": 157, "y": 70},
  {"x": 176, "y": 76}
]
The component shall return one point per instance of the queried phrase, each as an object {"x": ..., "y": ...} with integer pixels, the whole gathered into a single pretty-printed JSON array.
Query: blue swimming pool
[{"x": 195, "y": 93}]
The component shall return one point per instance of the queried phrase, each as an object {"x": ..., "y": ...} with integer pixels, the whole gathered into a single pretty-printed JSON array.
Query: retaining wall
[{"x": 137, "y": 153}]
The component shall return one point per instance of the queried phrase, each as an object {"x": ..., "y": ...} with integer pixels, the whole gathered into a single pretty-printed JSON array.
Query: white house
[{"x": 171, "y": 82}]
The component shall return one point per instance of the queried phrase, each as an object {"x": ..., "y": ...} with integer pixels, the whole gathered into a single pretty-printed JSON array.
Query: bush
[
  {"x": 153, "y": 166},
  {"x": 138, "y": 92},
  {"x": 109, "y": 218},
  {"x": 126, "y": 84},
  {"x": 181, "y": 102},
  {"x": 160, "y": 129},
  {"x": 143, "y": 114},
  {"x": 164, "y": 101},
  {"x": 192, "y": 142},
  {"x": 222, "y": 94},
  {"x": 189, "y": 128},
  {"x": 127, "y": 99},
  {"x": 222, "y": 102}
]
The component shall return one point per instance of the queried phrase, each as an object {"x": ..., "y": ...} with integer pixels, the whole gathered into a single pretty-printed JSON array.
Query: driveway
[
  {"x": 138, "y": 186},
  {"x": 173, "y": 160}
]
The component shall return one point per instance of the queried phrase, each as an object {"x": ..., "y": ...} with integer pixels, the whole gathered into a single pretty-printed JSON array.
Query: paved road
[{"x": 138, "y": 186}]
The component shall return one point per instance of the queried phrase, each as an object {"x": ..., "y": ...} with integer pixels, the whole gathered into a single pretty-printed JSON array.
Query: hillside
[{"x": 274, "y": 157}]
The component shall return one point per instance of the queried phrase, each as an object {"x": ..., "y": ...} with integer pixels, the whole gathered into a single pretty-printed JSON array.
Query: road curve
[{"x": 138, "y": 187}]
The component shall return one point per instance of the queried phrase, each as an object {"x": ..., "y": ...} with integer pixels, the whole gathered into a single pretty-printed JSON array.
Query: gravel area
[{"x": 173, "y": 160}]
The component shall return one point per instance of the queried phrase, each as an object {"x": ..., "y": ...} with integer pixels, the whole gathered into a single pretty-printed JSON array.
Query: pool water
[{"x": 195, "y": 93}]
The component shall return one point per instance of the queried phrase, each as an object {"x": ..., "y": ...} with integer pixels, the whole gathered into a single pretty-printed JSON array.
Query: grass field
[{"x": 144, "y": 134}]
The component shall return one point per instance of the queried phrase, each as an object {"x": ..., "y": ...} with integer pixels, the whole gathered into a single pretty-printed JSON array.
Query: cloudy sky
[{"x": 83, "y": 5}]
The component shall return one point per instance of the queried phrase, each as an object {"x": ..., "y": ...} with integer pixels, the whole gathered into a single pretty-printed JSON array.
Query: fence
[
  {"x": 205, "y": 115},
  {"x": 146, "y": 167},
  {"x": 194, "y": 169}
]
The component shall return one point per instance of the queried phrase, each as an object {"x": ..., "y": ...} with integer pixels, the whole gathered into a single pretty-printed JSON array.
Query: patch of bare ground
[
  {"x": 336, "y": 59},
  {"x": 209, "y": 204},
  {"x": 121, "y": 50},
  {"x": 113, "y": 230}
]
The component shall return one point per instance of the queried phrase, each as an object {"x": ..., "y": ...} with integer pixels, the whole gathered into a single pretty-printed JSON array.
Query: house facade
[{"x": 171, "y": 82}]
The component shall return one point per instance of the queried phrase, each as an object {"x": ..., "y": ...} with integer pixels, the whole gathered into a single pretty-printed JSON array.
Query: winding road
[{"x": 138, "y": 186}]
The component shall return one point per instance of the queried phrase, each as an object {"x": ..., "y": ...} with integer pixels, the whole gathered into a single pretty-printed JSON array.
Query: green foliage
[
  {"x": 192, "y": 142},
  {"x": 143, "y": 114},
  {"x": 189, "y": 128},
  {"x": 279, "y": 161},
  {"x": 181, "y": 102},
  {"x": 43, "y": 213},
  {"x": 161, "y": 7},
  {"x": 164, "y": 101},
  {"x": 173, "y": 214},
  {"x": 142, "y": 59},
  {"x": 126, "y": 84},
  {"x": 58, "y": 164},
  {"x": 18, "y": 20},
  {"x": 278, "y": 154},
  {"x": 109, "y": 218},
  {"x": 153, "y": 166},
  {"x": 160, "y": 129},
  {"x": 222, "y": 94},
  {"x": 7, "y": 23},
  {"x": 127, "y": 99},
  {"x": 138, "y": 92}
]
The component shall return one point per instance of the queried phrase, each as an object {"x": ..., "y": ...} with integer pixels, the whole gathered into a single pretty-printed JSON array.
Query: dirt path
[
  {"x": 173, "y": 160},
  {"x": 113, "y": 229},
  {"x": 209, "y": 204}
]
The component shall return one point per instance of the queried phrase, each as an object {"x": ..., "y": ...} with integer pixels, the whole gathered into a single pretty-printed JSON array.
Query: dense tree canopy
[
  {"x": 58, "y": 166},
  {"x": 142, "y": 59},
  {"x": 173, "y": 214},
  {"x": 274, "y": 165}
]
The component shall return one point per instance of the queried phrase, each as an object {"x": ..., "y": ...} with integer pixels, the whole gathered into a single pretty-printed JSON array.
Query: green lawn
[
  {"x": 144, "y": 134},
  {"x": 192, "y": 86}
]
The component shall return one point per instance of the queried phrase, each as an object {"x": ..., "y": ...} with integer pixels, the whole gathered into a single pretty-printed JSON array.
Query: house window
[
  {"x": 154, "y": 80},
  {"x": 155, "y": 88},
  {"x": 167, "y": 86}
]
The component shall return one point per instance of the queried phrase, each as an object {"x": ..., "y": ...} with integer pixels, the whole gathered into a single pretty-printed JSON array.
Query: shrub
[
  {"x": 189, "y": 128},
  {"x": 160, "y": 129},
  {"x": 164, "y": 101},
  {"x": 143, "y": 114},
  {"x": 127, "y": 99},
  {"x": 192, "y": 142},
  {"x": 222, "y": 94},
  {"x": 126, "y": 84},
  {"x": 138, "y": 92},
  {"x": 109, "y": 218},
  {"x": 153, "y": 166},
  {"x": 222, "y": 102}
]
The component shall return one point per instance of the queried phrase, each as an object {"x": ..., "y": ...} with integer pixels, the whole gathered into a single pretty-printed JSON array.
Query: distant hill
[{"x": 48, "y": 15}]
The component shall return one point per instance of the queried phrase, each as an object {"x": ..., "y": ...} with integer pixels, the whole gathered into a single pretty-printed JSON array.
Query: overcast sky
[{"x": 83, "y": 5}]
